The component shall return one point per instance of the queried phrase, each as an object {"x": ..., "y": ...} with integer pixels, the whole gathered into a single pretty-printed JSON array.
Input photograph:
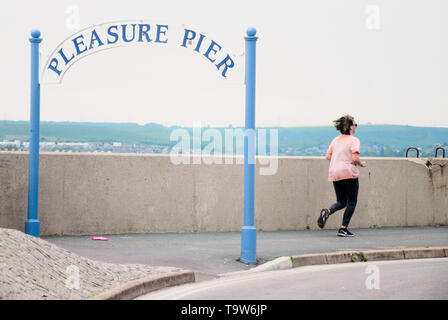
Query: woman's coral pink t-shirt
[{"x": 341, "y": 165}]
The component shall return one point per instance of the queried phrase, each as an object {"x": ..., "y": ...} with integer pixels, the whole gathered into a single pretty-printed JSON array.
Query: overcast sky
[{"x": 383, "y": 61}]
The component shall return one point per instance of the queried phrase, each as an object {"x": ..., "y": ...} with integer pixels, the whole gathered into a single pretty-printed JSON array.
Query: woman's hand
[{"x": 356, "y": 161}]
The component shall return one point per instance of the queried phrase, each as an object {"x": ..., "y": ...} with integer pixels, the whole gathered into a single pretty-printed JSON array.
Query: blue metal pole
[
  {"x": 32, "y": 224},
  {"x": 249, "y": 232}
]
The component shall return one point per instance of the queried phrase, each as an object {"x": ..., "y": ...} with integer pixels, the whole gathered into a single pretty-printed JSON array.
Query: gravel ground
[{"x": 35, "y": 269}]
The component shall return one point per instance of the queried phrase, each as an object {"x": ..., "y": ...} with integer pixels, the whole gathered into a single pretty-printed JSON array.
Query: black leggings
[{"x": 347, "y": 196}]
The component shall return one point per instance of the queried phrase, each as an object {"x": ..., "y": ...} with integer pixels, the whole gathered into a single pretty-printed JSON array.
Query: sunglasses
[{"x": 355, "y": 124}]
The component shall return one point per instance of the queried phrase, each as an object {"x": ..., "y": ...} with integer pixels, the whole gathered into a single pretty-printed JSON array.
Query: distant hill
[
  {"x": 376, "y": 140},
  {"x": 391, "y": 135}
]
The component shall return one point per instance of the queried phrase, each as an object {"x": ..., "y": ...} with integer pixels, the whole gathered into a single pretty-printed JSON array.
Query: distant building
[{"x": 16, "y": 143}]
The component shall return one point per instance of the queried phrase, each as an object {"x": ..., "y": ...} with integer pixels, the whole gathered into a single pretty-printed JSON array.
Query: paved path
[
  {"x": 32, "y": 268},
  {"x": 210, "y": 254}
]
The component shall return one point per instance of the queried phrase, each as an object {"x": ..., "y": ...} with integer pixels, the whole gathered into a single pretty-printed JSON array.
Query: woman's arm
[
  {"x": 356, "y": 161},
  {"x": 330, "y": 151}
]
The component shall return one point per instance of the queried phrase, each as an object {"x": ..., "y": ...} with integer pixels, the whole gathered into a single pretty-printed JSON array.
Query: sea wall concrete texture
[{"x": 87, "y": 193}]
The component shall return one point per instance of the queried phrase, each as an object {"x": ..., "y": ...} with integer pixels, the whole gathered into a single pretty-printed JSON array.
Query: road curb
[
  {"x": 369, "y": 255},
  {"x": 145, "y": 285},
  {"x": 280, "y": 263},
  {"x": 387, "y": 254},
  {"x": 353, "y": 256},
  {"x": 309, "y": 259},
  {"x": 419, "y": 253}
]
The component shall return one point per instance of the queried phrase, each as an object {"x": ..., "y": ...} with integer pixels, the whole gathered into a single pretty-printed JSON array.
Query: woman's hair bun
[{"x": 343, "y": 124}]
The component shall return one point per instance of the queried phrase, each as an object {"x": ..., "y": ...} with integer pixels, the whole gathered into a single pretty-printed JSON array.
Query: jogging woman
[{"x": 343, "y": 154}]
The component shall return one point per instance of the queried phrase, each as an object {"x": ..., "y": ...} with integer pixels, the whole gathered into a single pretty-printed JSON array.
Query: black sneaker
[
  {"x": 343, "y": 232},
  {"x": 324, "y": 214}
]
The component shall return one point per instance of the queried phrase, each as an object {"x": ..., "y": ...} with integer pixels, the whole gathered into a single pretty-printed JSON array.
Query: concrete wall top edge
[{"x": 226, "y": 156}]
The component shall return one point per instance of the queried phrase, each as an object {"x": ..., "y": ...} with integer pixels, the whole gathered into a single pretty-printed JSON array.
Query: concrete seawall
[{"x": 123, "y": 193}]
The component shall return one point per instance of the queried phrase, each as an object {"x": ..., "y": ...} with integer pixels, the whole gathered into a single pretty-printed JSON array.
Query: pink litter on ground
[{"x": 100, "y": 238}]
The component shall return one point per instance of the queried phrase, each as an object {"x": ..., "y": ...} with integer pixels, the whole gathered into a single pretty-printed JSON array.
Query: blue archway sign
[{"x": 55, "y": 64}]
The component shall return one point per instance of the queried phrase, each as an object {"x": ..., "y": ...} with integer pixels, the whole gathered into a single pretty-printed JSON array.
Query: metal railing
[
  {"x": 412, "y": 148},
  {"x": 435, "y": 154},
  {"x": 437, "y": 150}
]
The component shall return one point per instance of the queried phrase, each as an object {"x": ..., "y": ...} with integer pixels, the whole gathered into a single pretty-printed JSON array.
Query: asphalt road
[{"x": 400, "y": 279}]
